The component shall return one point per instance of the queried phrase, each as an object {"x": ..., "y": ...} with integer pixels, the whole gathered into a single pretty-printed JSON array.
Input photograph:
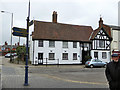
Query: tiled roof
[{"x": 59, "y": 31}]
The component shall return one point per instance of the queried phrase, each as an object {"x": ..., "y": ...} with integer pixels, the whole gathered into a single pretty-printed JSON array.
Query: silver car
[
  {"x": 95, "y": 63},
  {"x": 8, "y": 55}
]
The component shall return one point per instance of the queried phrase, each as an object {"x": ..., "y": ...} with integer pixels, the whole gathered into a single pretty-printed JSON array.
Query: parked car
[
  {"x": 8, "y": 55},
  {"x": 95, "y": 63},
  {"x": 12, "y": 54}
]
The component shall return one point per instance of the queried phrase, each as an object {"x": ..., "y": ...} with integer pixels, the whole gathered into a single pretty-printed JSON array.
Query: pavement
[
  {"x": 0, "y": 71},
  {"x": 52, "y": 76}
]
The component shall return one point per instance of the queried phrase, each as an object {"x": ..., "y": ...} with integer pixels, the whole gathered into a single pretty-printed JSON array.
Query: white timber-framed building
[{"x": 58, "y": 43}]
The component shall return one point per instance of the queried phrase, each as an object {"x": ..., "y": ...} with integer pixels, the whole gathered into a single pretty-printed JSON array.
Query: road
[{"x": 64, "y": 76}]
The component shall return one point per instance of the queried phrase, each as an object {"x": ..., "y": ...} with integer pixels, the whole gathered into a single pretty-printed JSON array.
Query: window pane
[
  {"x": 51, "y": 56},
  {"x": 101, "y": 43},
  {"x": 65, "y": 44},
  {"x": 51, "y": 43},
  {"x": 104, "y": 55},
  {"x": 65, "y": 56},
  {"x": 85, "y": 45},
  {"x": 96, "y": 54},
  {"x": 74, "y": 56},
  {"x": 40, "y": 43},
  {"x": 74, "y": 44}
]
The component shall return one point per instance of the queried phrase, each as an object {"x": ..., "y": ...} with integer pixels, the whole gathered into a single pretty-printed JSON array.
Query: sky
[{"x": 76, "y": 12}]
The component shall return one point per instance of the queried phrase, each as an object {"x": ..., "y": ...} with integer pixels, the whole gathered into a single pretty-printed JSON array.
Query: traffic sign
[
  {"x": 19, "y": 29},
  {"x": 19, "y": 32}
]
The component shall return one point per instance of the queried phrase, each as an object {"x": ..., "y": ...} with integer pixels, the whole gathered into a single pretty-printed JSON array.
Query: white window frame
[
  {"x": 51, "y": 43},
  {"x": 40, "y": 43},
  {"x": 74, "y": 44},
  {"x": 51, "y": 56},
  {"x": 75, "y": 58},
  {"x": 65, "y": 44},
  {"x": 104, "y": 55},
  {"x": 64, "y": 56}
]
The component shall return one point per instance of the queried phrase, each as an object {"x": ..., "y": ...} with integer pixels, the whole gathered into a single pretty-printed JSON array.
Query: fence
[{"x": 47, "y": 61}]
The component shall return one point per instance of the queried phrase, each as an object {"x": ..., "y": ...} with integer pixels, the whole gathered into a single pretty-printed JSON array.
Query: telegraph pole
[{"x": 27, "y": 41}]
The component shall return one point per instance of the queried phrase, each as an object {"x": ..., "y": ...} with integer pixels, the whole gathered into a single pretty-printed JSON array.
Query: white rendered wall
[
  {"x": 115, "y": 45},
  {"x": 119, "y": 40},
  {"x": 31, "y": 50},
  {"x": 58, "y": 50},
  {"x": 100, "y": 55}
]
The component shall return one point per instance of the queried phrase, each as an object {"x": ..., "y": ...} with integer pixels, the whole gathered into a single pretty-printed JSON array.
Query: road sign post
[{"x": 26, "y": 66}]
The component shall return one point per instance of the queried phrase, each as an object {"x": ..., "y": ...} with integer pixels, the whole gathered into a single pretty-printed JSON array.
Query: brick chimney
[
  {"x": 18, "y": 44},
  {"x": 54, "y": 17},
  {"x": 100, "y": 22},
  {"x": 6, "y": 43}
]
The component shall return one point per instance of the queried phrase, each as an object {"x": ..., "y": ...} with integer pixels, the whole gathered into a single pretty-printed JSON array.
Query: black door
[
  {"x": 40, "y": 58},
  {"x": 84, "y": 54},
  {"x": 96, "y": 55}
]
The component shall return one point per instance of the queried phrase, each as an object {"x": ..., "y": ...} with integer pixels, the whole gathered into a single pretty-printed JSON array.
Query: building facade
[
  {"x": 101, "y": 42},
  {"x": 115, "y": 33},
  {"x": 56, "y": 52},
  {"x": 58, "y": 43}
]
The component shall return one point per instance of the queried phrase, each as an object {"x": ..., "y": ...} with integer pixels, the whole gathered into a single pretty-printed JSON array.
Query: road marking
[{"x": 82, "y": 82}]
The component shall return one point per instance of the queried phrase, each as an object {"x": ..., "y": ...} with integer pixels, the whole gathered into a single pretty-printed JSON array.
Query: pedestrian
[{"x": 113, "y": 72}]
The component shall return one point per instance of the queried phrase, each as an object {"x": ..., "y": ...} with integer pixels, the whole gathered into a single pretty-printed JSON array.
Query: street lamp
[{"x": 11, "y": 33}]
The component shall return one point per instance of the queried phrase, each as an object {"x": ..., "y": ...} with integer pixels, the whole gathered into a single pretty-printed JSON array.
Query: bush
[
  {"x": 21, "y": 52},
  {"x": 87, "y": 57}
]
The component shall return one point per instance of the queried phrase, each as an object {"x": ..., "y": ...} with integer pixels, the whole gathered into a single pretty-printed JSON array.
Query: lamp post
[{"x": 11, "y": 33}]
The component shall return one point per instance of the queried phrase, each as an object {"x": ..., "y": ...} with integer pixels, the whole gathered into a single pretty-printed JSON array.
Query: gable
[
  {"x": 103, "y": 32},
  {"x": 102, "y": 35}
]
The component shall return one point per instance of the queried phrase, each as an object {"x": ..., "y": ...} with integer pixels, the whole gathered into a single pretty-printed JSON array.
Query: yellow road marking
[{"x": 54, "y": 77}]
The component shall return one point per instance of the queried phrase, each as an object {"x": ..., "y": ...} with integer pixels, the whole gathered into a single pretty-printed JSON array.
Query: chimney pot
[
  {"x": 6, "y": 43},
  {"x": 54, "y": 17},
  {"x": 100, "y": 22}
]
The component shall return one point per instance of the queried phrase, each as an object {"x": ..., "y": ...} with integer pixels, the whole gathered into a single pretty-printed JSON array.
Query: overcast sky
[{"x": 77, "y": 12}]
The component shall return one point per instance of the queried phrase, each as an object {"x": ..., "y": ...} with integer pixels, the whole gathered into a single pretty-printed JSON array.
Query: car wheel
[
  {"x": 91, "y": 66},
  {"x": 104, "y": 66}
]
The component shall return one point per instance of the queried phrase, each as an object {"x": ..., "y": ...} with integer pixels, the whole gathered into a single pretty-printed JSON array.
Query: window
[
  {"x": 74, "y": 56},
  {"x": 115, "y": 44},
  {"x": 51, "y": 43},
  {"x": 65, "y": 44},
  {"x": 101, "y": 43},
  {"x": 85, "y": 45},
  {"x": 95, "y": 54},
  {"x": 40, "y": 43},
  {"x": 104, "y": 55},
  {"x": 51, "y": 56},
  {"x": 74, "y": 44},
  {"x": 65, "y": 56}
]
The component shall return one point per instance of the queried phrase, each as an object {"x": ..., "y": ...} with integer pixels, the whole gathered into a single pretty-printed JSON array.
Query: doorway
[{"x": 40, "y": 58}]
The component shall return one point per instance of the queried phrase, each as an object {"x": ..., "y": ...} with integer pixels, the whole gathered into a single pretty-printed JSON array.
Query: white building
[
  {"x": 119, "y": 13},
  {"x": 58, "y": 43},
  {"x": 115, "y": 33}
]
